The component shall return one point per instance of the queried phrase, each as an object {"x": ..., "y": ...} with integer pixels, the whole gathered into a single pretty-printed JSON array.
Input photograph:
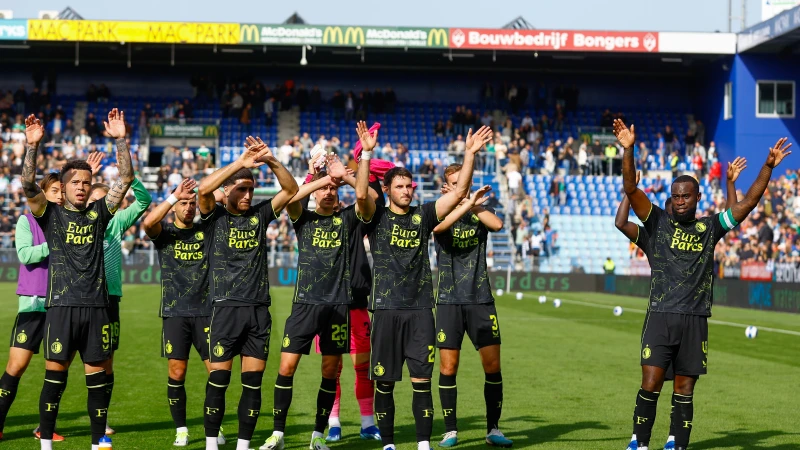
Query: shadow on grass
[
  {"x": 30, "y": 421},
  {"x": 743, "y": 439}
]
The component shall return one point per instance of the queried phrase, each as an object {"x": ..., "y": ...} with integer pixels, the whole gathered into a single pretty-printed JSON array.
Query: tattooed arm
[
  {"x": 34, "y": 131},
  {"x": 115, "y": 127}
]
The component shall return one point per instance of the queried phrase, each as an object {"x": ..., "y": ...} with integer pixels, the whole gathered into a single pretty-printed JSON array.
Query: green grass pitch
[{"x": 570, "y": 374}]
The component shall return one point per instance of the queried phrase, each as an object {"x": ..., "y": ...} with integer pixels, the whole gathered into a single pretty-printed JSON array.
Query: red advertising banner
[
  {"x": 554, "y": 40},
  {"x": 755, "y": 271}
]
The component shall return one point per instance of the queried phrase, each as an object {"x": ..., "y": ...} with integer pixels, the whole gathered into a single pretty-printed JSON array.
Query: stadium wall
[{"x": 765, "y": 295}]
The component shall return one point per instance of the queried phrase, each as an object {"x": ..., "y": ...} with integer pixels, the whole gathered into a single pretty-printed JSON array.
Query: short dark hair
[
  {"x": 102, "y": 186},
  {"x": 396, "y": 172},
  {"x": 75, "y": 164},
  {"x": 241, "y": 174},
  {"x": 49, "y": 179},
  {"x": 318, "y": 175},
  {"x": 688, "y": 179}
]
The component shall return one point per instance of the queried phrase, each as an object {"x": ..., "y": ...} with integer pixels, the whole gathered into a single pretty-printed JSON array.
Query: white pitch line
[{"x": 714, "y": 321}]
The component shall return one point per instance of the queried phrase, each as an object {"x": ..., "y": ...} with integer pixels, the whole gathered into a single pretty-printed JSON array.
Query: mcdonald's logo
[
  {"x": 437, "y": 37},
  {"x": 211, "y": 131},
  {"x": 156, "y": 130},
  {"x": 250, "y": 34},
  {"x": 334, "y": 36}
]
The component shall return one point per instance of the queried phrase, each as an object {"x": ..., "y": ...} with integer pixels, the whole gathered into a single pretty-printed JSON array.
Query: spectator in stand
[
  {"x": 527, "y": 121},
  {"x": 715, "y": 175},
  {"x": 544, "y": 123},
  {"x": 558, "y": 122},
  {"x": 610, "y": 154},
  {"x": 438, "y": 130},
  {"x": 245, "y": 117},
  {"x": 607, "y": 119},
  {"x": 514, "y": 179},
  {"x": 642, "y": 157},
  {"x": 669, "y": 139},
  {"x": 91, "y": 126},
  {"x": 583, "y": 159},
  {"x": 507, "y": 131},
  {"x": 457, "y": 119},
  {"x": 103, "y": 94},
  {"x": 657, "y": 186},
  {"x": 349, "y": 107},
  {"x": 269, "y": 111},
  {"x": 486, "y": 120},
  {"x": 237, "y": 104},
  {"x": 674, "y": 162}
]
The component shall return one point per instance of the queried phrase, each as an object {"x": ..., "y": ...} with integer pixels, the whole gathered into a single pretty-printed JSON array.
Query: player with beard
[
  {"x": 402, "y": 289},
  {"x": 639, "y": 236},
  {"x": 322, "y": 298},
  {"x": 239, "y": 284},
  {"x": 682, "y": 283},
  {"x": 77, "y": 298},
  {"x": 465, "y": 305},
  {"x": 185, "y": 308},
  {"x": 28, "y": 330}
]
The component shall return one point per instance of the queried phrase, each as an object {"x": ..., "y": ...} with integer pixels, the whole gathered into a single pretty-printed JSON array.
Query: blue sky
[{"x": 650, "y": 15}]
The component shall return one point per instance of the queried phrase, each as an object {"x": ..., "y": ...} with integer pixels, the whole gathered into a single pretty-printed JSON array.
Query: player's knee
[
  {"x": 287, "y": 368},
  {"x": 684, "y": 385},
  {"x": 492, "y": 366},
  {"x": 16, "y": 366},
  {"x": 448, "y": 366},
  {"x": 177, "y": 371},
  {"x": 330, "y": 367}
]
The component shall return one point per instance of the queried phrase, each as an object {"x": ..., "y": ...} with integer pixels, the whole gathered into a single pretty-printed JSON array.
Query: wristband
[
  {"x": 366, "y": 156},
  {"x": 172, "y": 199}
]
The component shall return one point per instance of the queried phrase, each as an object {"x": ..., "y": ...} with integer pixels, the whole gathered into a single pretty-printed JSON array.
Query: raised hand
[
  {"x": 34, "y": 131},
  {"x": 479, "y": 197},
  {"x": 778, "y": 152},
  {"x": 95, "y": 160},
  {"x": 368, "y": 141},
  {"x": 476, "y": 141},
  {"x": 185, "y": 190},
  {"x": 735, "y": 168},
  {"x": 255, "y": 153},
  {"x": 446, "y": 188},
  {"x": 625, "y": 135},
  {"x": 115, "y": 126},
  {"x": 335, "y": 167}
]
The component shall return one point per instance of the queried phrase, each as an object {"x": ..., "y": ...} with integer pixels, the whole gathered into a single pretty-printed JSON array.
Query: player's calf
[
  {"x": 54, "y": 384},
  {"x": 96, "y": 403},
  {"x": 214, "y": 407},
  {"x": 422, "y": 405},
  {"x": 249, "y": 406},
  {"x": 384, "y": 411}
]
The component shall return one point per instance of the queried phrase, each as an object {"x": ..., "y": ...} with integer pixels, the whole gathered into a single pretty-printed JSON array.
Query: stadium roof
[{"x": 780, "y": 34}]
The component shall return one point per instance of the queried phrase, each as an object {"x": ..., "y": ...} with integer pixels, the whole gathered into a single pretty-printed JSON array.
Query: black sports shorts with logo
[
  {"x": 113, "y": 316},
  {"x": 239, "y": 330},
  {"x": 84, "y": 329},
  {"x": 402, "y": 335},
  {"x": 677, "y": 339},
  {"x": 479, "y": 321},
  {"x": 28, "y": 331},
  {"x": 179, "y": 334},
  {"x": 330, "y": 322}
]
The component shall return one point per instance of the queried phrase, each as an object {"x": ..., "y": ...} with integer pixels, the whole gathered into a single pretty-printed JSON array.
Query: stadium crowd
[{"x": 519, "y": 149}]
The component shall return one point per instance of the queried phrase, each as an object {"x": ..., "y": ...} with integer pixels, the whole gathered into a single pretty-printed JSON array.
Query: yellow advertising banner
[{"x": 146, "y": 32}]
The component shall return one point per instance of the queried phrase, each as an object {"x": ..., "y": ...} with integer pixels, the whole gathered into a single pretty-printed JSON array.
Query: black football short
[
  {"x": 239, "y": 330},
  {"x": 402, "y": 335},
  {"x": 478, "y": 321},
  {"x": 113, "y": 316},
  {"x": 28, "y": 331},
  {"x": 330, "y": 322},
  {"x": 83, "y": 329},
  {"x": 677, "y": 339},
  {"x": 179, "y": 334}
]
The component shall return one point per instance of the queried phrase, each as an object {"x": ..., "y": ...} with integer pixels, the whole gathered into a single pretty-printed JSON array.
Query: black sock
[
  {"x": 493, "y": 396},
  {"x": 672, "y": 426},
  {"x": 249, "y": 404},
  {"x": 644, "y": 416},
  {"x": 109, "y": 389},
  {"x": 682, "y": 418},
  {"x": 422, "y": 405},
  {"x": 176, "y": 396},
  {"x": 214, "y": 407},
  {"x": 54, "y": 385},
  {"x": 384, "y": 410},
  {"x": 448, "y": 395},
  {"x": 325, "y": 398},
  {"x": 8, "y": 392},
  {"x": 96, "y": 404},
  {"x": 282, "y": 401}
]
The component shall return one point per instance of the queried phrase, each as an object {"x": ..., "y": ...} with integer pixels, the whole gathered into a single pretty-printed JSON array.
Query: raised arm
[
  {"x": 115, "y": 127},
  {"x": 295, "y": 207},
  {"x": 365, "y": 203},
  {"x": 128, "y": 216},
  {"x": 734, "y": 169},
  {"x": 34, "y": 132},
  {"x": 476, "y": 199},
  {"x": 249, "y": 159},
  {"x": 152, "y": 223},
  {"x": 475, "y": 142},
  {"x": 776, "y": 154},
  {"x": 288, "y": 184},
  {"x": 629, "y": 229},
  {"x": 627, "y": 137}
]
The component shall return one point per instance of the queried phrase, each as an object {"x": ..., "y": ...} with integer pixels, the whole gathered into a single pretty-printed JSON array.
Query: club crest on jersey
[
  {"x": 253, "y": 220},
  {"x": 286, "y": 341},
  {"x": 168, "y": 348},
  {"x": 337, "y": 221},
  {"x": 378, "y": 370},
  {"x": 56, "y": 347},
  {"x": 199, "y": 236},
  {"x": 475, "y": 219},
  {"x": 416, "y": 219},
  {"x": 92, "y": 215},
  {"x": 700, "y": 227},
  {"x": 218, "y": 350},
  {"x": 441, "y": 337},
  {"x": 22, "y": 337}
]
